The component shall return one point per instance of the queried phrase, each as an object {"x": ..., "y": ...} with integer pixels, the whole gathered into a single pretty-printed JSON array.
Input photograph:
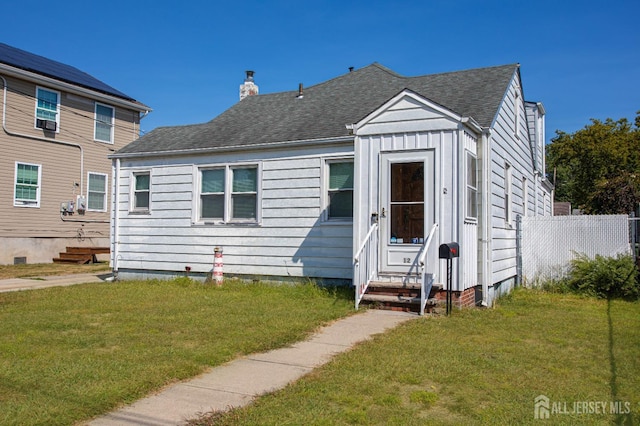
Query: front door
[{"x": 406, "y": 208}]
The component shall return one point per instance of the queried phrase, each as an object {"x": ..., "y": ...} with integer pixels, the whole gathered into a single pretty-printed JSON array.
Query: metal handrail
[
  {"x": 356, "y": 258},
  {"x": 361, "y": 279},
  {"x": 426, "y": 290}
]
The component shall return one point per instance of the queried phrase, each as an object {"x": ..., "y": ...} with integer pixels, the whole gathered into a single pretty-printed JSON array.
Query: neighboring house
[
  {"x": 361, "y": 166},
  {"x": 58, "y": 126}
]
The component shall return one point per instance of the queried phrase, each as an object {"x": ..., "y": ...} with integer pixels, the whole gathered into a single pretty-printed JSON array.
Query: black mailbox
[{"x": 449, "y": 250}]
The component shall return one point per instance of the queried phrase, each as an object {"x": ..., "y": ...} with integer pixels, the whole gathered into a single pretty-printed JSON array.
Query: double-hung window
[
  {"x": 27, "y": 185},
  {"x": 141, "y": 192},
  {"x": 508, "y": 194},
  {"x": 47, "y": 107},
  {"x": 97, "y": 192},
  {"x": 104, "y": 123},
  {"x": 472, "y": 187},
  {"x": 340, "y": 190},
  {"x": 229, "y": 194}
]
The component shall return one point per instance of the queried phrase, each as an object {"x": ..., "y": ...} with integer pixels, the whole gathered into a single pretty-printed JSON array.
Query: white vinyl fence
[{"x": 547, "y": 244}]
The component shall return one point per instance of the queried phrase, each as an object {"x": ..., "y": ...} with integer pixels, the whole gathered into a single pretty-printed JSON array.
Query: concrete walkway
[
  {"x": 238, "y": 382},
  {"x": 17, "y": 284}
]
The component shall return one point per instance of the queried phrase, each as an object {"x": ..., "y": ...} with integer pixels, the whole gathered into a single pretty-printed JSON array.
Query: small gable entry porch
[{"x": 416, "y": 187}]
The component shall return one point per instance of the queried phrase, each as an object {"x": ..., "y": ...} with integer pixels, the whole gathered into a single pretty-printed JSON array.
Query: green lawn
[
  {"x": 479, "y": 366},
  {"x": 70, "y": 353}
]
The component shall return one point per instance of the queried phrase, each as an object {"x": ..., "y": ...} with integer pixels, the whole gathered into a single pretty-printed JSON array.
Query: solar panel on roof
[{"x": 39, "y": 64}]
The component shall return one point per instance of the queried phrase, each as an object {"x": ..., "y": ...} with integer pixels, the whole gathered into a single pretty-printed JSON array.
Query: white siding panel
[{"x": 291, "y": 240}]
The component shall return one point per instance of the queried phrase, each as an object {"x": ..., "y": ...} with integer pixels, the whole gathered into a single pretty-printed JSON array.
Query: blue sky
[{"x": 186, "y": 59}]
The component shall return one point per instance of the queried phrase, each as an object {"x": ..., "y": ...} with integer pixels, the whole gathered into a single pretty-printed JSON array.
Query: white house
[{"x": 345, "y": 180}]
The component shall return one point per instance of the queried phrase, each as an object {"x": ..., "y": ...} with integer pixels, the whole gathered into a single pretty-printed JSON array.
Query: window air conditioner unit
[{"x": 46, "y": 125}]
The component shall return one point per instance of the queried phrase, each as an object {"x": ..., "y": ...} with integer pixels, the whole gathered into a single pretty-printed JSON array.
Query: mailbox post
[{"x": 448, "y": 251}]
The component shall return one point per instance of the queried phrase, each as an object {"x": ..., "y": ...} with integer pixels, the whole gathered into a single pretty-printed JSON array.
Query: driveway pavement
[{"x": 17, "y": 284}]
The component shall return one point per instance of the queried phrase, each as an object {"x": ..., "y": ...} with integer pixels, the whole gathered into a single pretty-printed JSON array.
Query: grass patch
[
  {"x": 475, "y": 367},
  {"x": 46, "y": 269},
  {"x": 71, "y": 353}
]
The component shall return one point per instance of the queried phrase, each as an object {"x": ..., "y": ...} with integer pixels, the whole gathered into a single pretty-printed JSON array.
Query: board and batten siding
[
  {"x": 408, "y": 125},
  {"x": 291, "y": 239}
]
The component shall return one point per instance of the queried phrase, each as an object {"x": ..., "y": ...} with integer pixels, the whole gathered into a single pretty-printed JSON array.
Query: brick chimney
[{"x": 248, "y": 88}]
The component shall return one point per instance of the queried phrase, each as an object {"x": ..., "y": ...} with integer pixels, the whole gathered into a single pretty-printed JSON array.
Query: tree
[{"x": 597, "y": 168}]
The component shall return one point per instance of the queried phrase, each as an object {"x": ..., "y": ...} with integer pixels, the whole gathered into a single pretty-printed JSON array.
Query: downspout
[
  {"x": 460, "y": 278},
  {"x": 37, "y": 138},
  {"x": 116, "y": 222},
  {"x": 486, "y": 216}
]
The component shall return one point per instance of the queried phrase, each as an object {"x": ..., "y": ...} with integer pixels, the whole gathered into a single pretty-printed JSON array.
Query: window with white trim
[
  {"x": 141, "y": 191},
  {"x": 47, "y": 106},
  {"x": 471, "y": 211},
  {"x": 516, "y": 110},
  {"x": 229, "y": 194},
  {"x": 27, "y": 185},
  {"x": 525, "y": 197},
  {"x": 339, "y": 204},
  {"x": 508, "y": 194},
  {"x": 104, "y": 116},
  {"x": 97, "y": 192}
]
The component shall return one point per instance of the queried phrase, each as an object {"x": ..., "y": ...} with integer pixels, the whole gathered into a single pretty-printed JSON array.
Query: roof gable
[
  {"x": 47, "y": 67},
  {"x": 407, "y": 111},
  {"x": 326, "y": 108}
]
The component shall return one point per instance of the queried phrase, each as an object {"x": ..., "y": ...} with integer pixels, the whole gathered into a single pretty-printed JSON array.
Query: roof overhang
[
  {"x": 234, "y": 148},
  {"x": 72, "y": 88}
]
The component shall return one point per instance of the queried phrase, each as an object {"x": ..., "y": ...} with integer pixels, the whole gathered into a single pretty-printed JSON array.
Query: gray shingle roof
[
  {"x": 327, "y": 107},
  {"x": 40, "y": 65}
]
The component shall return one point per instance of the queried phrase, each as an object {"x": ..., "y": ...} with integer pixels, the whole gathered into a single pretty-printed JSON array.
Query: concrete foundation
[{"x": 43, "y": 250}]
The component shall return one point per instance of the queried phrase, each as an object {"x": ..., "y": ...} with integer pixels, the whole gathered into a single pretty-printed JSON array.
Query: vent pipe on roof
[
  {"x": 248, "y": 88},
  {"x": 300, "y": 92},
  {"x": 350, "y": 69}
]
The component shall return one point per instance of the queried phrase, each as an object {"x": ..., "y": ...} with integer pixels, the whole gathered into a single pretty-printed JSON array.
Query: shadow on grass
[{"x": 621, "y": 418}]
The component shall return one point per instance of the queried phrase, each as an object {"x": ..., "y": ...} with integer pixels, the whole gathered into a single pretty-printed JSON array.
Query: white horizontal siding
[
  {"x": 512, "y": 146},
  {"x": 290, "y": 240}
]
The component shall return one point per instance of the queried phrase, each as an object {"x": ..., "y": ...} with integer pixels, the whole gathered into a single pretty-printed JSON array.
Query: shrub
[{"x": 604, "y": 277}]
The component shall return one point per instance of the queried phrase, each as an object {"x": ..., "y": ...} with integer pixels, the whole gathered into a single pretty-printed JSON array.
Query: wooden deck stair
[
  {"x": 80, "y": 255},
  {"x": 398, "y": 296}
]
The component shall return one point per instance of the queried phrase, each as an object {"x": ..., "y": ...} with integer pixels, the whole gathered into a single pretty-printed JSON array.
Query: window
[
  {"x": 27, "y": 185},
  {"x": 47, "y": 106},
  {"x": 244, "y": 193},
  {"x": 212, "y": 194},
  {"x": 104, "y": 123},
  {"x": 516, "y": 110},
  {"x": 507, "y": 194},
  {"x": 229, "y": 194},
  {"x": 472, "y": 187},
  {"x": 525, "y": 197},
  {"x": 141, "y": 191},
  {"x": 97, "y": 192},
  {"x": 340, "y": 190}
]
